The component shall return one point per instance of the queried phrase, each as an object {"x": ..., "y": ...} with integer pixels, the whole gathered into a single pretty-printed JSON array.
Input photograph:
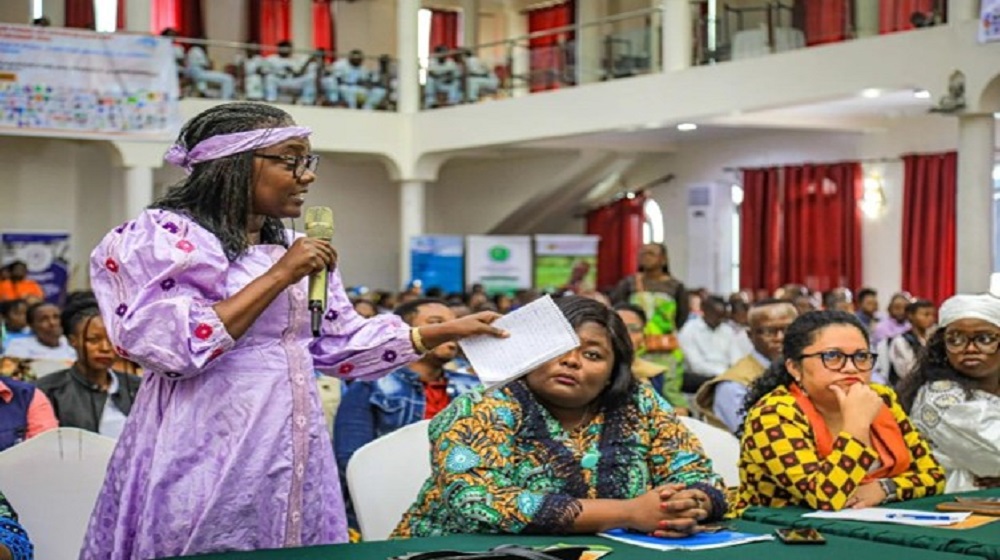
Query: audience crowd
[{"x": 794, "y": 366}]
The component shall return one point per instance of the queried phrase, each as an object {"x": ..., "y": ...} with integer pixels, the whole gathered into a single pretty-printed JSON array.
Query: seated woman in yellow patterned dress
[
  {"x": 576, "y": 446},
  {"x": 818, "y": 434}
]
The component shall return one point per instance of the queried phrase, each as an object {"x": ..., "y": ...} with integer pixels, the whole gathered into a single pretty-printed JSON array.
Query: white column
[
  {"x": 867, "y": 14},
  {"x": 408, "y": 94},
  {"x": 962, "y": 10},
  {"x": 677, "y": 35},
  {"x": 138, "y": 17},
  {"x": 590, "y": 42},
  {"x": 517, "y": 26},
  {"x": 470, "y": 23},
  {"x": 411, "y": 222},
  {"x": 974, "y": 204},
  {"x": 302, "y": 24},
  {"x": 138, "y": 190},
  {"x": 55, "y": 10}
]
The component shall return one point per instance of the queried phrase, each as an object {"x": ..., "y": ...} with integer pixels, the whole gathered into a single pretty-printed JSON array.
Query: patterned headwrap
[{"x": 228, "y": 144}]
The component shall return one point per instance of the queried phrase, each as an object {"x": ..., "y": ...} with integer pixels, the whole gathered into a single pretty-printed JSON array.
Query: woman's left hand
[{"x": 867, "y": 495}]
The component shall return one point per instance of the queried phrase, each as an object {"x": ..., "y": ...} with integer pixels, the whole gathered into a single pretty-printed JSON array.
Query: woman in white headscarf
[{"x": 953, "y": 396}]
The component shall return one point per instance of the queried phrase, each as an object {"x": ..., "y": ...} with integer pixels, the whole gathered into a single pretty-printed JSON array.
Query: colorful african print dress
[
  {"x": 502, "y": 464},
  {"x": 12, "y": 535}
]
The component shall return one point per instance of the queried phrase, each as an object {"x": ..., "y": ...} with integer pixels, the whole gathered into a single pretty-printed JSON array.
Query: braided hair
[{"x": 218, "y": 194}]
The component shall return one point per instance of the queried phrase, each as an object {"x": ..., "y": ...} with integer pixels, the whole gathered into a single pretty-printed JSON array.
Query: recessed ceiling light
[
  {"x": 871, "y": 93},
  {"x": 687, "y": 127},
  {"x": 921, "y": 94}
]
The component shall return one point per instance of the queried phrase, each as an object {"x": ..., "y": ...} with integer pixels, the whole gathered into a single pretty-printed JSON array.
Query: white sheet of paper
[
  {"x": 538, "y": 333},
  {"x": 886, "y": 515}
]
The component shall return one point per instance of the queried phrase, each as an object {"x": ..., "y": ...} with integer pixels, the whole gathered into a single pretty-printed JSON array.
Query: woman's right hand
[
  {"x": 305, "y": 256},
  {"x": 859, "y": 404}
]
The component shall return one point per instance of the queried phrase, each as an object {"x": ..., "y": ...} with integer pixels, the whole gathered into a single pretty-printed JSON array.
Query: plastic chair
[
  {"x": 385, "y": 476},
  {"x": 52, "y": 481},
  {"x": 721, "y": 447}
]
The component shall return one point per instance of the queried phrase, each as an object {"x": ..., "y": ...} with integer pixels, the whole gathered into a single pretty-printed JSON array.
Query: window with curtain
[
  {"x": 929, "y": 206},
  {"x": 900, "y": 15},
  {"x": 824, "y": 21},
  {"x": 269, "y": 23},
  {"x": 324, "y": 28},
  {"x": 444, "y": 29},
  {"x": 652, "y": 225},
  {"x": 551, "y": 55},
  {"x": 183, "y": 16},
  {"x": 620, "y": 227}
]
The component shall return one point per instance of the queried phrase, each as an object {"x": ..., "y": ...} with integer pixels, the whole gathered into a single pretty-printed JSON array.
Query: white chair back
[
  {"x": 52, "y": 481},
  {"x": 385, "y": 476},
  {"x": 721, "y": 447}
]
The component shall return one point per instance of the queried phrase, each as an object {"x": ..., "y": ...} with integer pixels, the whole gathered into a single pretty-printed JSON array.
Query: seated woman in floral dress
[{"x": 576, "y": 446}]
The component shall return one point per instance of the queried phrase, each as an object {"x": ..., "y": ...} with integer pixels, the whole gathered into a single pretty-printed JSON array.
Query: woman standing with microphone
[{"x": 226, "y": 447}]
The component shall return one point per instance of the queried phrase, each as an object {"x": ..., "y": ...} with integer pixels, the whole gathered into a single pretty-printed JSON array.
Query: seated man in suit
[{"x": 720, "y": 400}]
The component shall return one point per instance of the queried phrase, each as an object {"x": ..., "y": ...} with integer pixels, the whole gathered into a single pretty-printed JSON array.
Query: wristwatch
[{"x": 889, "y": 487}]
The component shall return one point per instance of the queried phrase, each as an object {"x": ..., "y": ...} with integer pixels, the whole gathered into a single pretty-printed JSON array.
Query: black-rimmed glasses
[
  {"x": 987, "y": 343},
  {"x": 835, "y": 360},
  {"x": 298, "y": 164}
]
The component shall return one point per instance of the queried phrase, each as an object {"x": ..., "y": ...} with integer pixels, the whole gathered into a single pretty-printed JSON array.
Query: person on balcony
[
  {"x": 199, "y": 69},
  {"x": 442, "y": 78},
  {"x": 355, "y": 83},
  {"x": 292, "y": 73},
  {"x": 478, "y": 76}
]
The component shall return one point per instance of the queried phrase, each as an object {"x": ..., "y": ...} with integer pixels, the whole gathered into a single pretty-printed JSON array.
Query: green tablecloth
[
  {"x": 982, "y": 541},
  {"x": 837, "y": 548}
]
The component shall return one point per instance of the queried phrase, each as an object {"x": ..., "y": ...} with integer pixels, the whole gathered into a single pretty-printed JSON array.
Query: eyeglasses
[
  {"x": 771, "y": 332},
  {"x": 835, "y": 360},
  {"x": 298, "y": 164},
  {"x": 987, "y": 343}
]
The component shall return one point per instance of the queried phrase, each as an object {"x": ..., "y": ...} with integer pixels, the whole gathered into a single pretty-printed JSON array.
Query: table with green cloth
[
  {"x": 983, "y": 541},
  {"x": 837, "y": 548}
]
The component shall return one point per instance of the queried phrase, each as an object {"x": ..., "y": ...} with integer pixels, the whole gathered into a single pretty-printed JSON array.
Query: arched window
[{"x": 652, "y": 224}]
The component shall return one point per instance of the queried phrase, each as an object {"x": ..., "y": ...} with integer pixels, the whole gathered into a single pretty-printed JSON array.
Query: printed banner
[
  {"x": 989, "y": 21},
  {"x": 437, "y": 261},
  {"x": 566, "y": 263},
  {"x": 501, "y": 263},
  {"x": 46, "y": 256},
  {"x": 61, "y": 79}
]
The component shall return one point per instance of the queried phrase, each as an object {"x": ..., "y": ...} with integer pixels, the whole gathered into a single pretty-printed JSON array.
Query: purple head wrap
[{"x": 228, "y": 144}]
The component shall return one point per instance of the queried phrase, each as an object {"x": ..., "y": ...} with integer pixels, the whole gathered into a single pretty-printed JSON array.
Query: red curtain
[
  {"x": 894, "y": 15},
  {"x": 801, "y": 224},
  {"x": 324, "y": 30},
  {"x": 825, "y": 21},
  {"x": 760, "y": 230},
  {"x": 80, "y": 13},
  {"x": 183, "y": 16},
  {"x": 121, "y": 20},
  {"x": 548, "y": 52},
  {"x": 822, "y": 229},
  {"x": 619, "y": 226},
  {"x": 929, "y": 201},
  {"x": 270, "y": 22},
  {"x": 444, "y": 29}
]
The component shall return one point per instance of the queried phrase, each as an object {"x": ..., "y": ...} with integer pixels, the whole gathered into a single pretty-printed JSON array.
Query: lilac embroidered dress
[{"x": 226, "y": 446}]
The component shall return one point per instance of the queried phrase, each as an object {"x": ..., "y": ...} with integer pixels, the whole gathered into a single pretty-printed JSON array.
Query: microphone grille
[{"x": 319, "y": 222}]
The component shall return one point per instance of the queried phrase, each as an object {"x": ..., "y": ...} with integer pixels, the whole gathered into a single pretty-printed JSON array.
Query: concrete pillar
[
  {"x": 470, "y": 23},
  {"x": 962, "y": 10},
  {"x": 55, "y": 10},
  {"x": 302, "y": 35},
  {"x": 408, "y": 64},
  {"x": 677, "y": 35},
  {"x": 590, "y": 42},
  {"x": 974, "y": 204},
  {"x": 520, "y": 59},
  {"x": 412, "y": 195},
  {"x": 867, "y": 14},
  {"x": 138, "y": 190}
]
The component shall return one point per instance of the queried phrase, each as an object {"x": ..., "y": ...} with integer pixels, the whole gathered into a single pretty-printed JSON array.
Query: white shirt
[
  {"x": 445, "y": 71},
  {"x": 348, "y": 74},
  {"x": 196, "y": 58},
  {"x": 112, "y": 419},
  {"x": 283, "y": 66},
  {"x": 707, "y": 351}
]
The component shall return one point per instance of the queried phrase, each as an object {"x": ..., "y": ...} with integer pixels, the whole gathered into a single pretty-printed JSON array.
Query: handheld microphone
[{"x": 319, "y": 225}]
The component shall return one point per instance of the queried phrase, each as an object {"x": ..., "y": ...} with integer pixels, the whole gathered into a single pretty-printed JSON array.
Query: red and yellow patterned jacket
[{"x": 780, "y": 465}]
